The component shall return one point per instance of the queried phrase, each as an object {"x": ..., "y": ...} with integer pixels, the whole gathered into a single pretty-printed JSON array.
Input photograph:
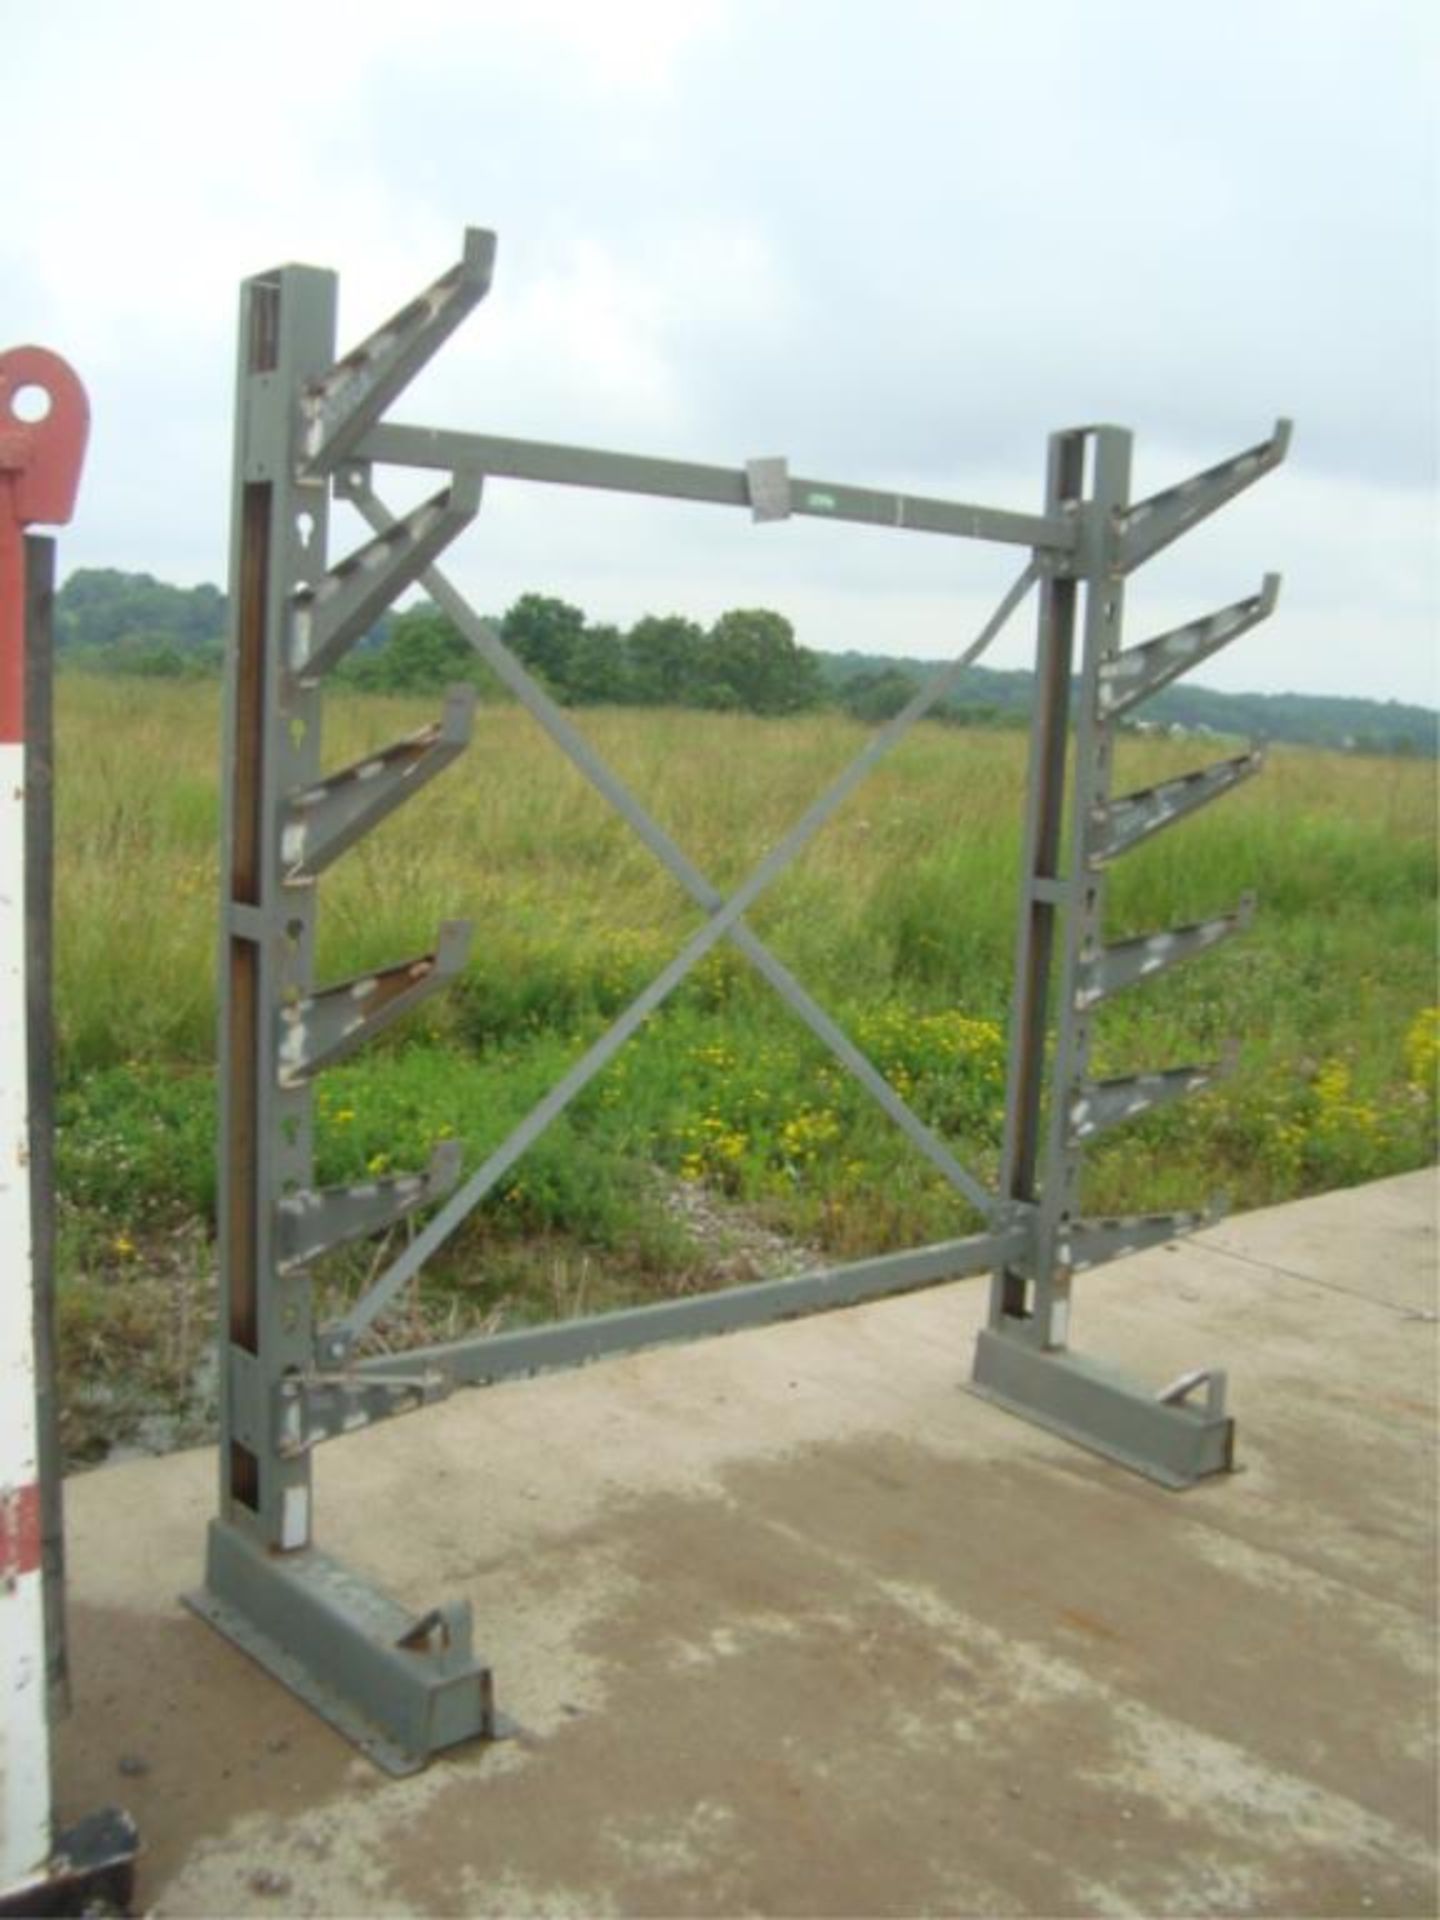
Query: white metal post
[{"x": 41, "y": 447}]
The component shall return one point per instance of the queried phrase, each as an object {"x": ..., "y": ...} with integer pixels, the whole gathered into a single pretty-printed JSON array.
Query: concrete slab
[{"x": 796, "y": 1626}]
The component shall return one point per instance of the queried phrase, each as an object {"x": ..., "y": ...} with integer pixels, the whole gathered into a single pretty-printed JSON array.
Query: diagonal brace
[
  {"x": 335, "y": 1342},
  {"x": 575, "y": 746}
]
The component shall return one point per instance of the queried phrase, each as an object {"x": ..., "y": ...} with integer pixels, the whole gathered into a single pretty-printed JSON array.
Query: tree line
[{"x": 747, "y": 661}]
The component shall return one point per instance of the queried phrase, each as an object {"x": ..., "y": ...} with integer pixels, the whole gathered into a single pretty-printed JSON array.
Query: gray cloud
[{"x": 897, "y": 244}]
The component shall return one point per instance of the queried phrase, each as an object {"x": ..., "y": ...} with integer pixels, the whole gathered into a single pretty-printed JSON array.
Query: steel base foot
[
  {"x": 401, "y": 1688},
  {"x": 1161, "y": 1436}
]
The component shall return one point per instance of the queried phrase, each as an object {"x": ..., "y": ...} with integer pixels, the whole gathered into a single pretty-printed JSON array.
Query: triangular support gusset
[
  {"x": 322, "y": 1028},
  {"x": 1118, "y": 825},
  {"x": 1092, "y": 1242},
  {"x": 1098, "y": 1105},
  {"x": 1150, "y": 525},
  {"x": 311, "y": 1223},
  {"x": 339, "y": 408},
  {"x": 1106, "y": 970},
  {"x": 328, "y": 619},
  {"x": 321, "y": 821},
  {"x": 1132, "y": 676}
]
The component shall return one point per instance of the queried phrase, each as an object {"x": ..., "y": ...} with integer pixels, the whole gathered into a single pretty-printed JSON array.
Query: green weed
[{"x": 899, "y": 918}]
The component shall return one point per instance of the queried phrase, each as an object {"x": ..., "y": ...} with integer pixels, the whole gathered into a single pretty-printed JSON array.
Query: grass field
[{"x": 899, "y": 919}]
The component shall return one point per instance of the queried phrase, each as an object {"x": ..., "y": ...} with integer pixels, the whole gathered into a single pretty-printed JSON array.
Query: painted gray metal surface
[
  {"x": 309, "y": 430},
  {"x": 1054, "y": 1105},
  {"x": 1148, "y": 526},
  {"x": 331, "y": 617},
  {"x": 1106, "y": 1411},
  {"x": 327, "y": 1026},
  {"x": 402, "y": 1687},
  {"x": 1116, "y": 826},
  {"x": 404, "y": 446},
  {"x": 571, "y": 1343},
  {"x": 322, "y": 821},
  {"x": 1128, "y": 678},
  {"x": 1106, "y": 970}
]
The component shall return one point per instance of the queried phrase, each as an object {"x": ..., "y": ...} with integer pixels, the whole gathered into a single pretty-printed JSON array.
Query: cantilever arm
[
  {"x": 327, "y": 619},
  {"x": 343, "y": 403},
  {"x": 1132, "y": 676},
  {"x": 1152, "y": 524}
]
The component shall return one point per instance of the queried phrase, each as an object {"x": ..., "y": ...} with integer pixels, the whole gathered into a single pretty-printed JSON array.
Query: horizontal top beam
[{"x": 551, "y": 465}]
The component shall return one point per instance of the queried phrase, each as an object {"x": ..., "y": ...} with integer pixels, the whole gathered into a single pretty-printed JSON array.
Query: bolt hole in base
[{"x": 30, "y": 403}]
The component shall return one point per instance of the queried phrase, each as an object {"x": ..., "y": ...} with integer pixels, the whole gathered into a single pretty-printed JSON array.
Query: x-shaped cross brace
[{"x": 725, "y": 918}]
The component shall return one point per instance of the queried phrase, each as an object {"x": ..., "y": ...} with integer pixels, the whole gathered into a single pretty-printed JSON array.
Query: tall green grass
[{"x": 899, "y": 918}]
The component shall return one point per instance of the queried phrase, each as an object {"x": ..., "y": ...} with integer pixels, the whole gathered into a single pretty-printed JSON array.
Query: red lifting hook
[{"x": 40, "y": 460}]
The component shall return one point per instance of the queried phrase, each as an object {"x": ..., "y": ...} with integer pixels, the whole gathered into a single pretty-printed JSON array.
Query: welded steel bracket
[
  {"x": 1105, "y": 970},
  {"x": 322, "y": 821},
  {"x": 1139, "y": 672},
  {"x": 316, "y": 1219},
  {"x": 327, "y": 619},
  {"x": 313, "y": 1407},
  {"x": 327, "y": 1026},
  {"x": 1120, "y": 824},
  {"x": 1148, "y": 526}
]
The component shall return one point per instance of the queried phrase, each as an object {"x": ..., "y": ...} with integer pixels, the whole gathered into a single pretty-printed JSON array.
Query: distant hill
[
  {"x": 986, "y": 695},
  {"x": 113, "y": 621}
]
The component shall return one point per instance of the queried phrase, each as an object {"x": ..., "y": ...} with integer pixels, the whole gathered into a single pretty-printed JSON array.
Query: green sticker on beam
[{"x": 822, "y": 502}]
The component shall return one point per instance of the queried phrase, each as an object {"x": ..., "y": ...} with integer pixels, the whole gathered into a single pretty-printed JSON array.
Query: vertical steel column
[
  {"x": 1097, "y": 564},
  {"x": 401, "y": 1686},
  {"x": 1022, "y": 1358},
  {"x": 1058, "y": 893},
  {"x": 272, "y": 746},
  {"x": 1041, "y": 895}
]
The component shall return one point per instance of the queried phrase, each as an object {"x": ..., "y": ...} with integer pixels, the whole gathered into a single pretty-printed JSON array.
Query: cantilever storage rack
[{"x": 312, "y": 428}]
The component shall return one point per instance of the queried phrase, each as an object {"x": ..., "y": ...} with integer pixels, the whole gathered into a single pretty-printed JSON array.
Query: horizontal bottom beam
[
  {"x": 573, "y": 1343},
  {"x": 401, "y": 1689},
  {"x": 1101, "y": 1408}
]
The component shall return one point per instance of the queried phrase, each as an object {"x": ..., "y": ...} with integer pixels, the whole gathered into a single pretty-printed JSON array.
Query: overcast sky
[{"x": 898, "y": 244}]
